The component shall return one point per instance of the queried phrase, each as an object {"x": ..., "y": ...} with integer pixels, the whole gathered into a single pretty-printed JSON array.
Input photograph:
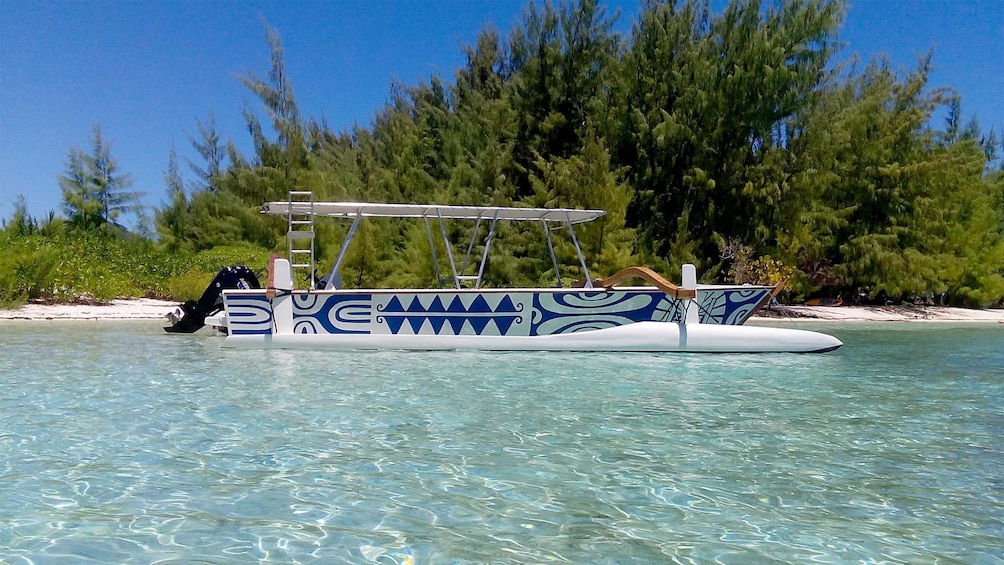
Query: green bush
[
  {"x": 188, "y": 285},
  {"x": 103, "y": 266},
  {"x": 212, "y": 260},
  {"x": 27, "y": 270}
]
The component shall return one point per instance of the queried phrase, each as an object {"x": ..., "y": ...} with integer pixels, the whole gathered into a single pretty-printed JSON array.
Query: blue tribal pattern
[
  {"x": 489, "y": 313},
  {"x": 248, "y": 314},
  {"x": 557, "y": 313},
  {"x": 485, "y": 313},
  {"x": 336, "y": 314},
  {"x": 730, "y": 306}
]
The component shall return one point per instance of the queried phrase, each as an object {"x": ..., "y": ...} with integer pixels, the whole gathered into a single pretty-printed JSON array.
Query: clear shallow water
[{"x": 121, "y": 444}]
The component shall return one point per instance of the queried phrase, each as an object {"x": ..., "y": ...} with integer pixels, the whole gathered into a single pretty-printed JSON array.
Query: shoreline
[
  {"x": 879, "y": 314},
  {"x": 119, "y": 309},
  {"x": 150, "y": 309}
]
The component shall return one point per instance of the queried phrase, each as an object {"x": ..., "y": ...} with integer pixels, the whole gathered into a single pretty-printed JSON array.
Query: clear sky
[{"x": 146, "y": 70}]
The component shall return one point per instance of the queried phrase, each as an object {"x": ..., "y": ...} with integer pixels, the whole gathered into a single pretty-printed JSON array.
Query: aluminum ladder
[{"x": 300, "y": 234}]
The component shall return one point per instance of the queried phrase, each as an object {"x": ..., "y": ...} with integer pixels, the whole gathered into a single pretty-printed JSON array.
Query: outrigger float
[{"x": 601, "y": 315}]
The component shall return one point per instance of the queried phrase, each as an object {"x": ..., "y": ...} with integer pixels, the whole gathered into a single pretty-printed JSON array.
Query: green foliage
[
  {"x": 188, "y": 285},
  {"x": 702, "y": 114},
  {"x": 885, "y": 203},
  {"x": 212, "y": 260},
  {"x": 701, "y": 134},
  {"x": 21, "y": 223},
  {"x": 210, "y": 147},
  {"x": 191, "y": 275},
  {"x": 27, "y": 268},
  {"x": 94, "y": 190},
  {"x": 100, "y": 265}
]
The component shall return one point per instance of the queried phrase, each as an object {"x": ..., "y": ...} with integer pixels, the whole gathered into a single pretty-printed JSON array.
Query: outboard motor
[{"x": 191, "y": 315}]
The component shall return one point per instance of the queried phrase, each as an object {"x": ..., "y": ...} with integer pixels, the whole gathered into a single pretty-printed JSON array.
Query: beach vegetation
[
  {"x": 737, "y": 140},
  {"x": 56, "y": 263}
]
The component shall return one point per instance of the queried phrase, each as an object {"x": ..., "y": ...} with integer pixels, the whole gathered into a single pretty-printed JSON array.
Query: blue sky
[{"x": 147, "y": 70}]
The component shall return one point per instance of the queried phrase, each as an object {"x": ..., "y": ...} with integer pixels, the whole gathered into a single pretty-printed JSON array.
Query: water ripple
[{"x": 119, "y": 444}]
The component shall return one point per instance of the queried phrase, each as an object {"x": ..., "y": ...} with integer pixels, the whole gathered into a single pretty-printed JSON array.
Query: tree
[
  {"x": 21, "y": 223},
  {"x": 94, "y": 189},
  {"x": 174, "y": 220},
  {"x": 110, "y": 185},
  {"x": 211, "y": 149},
  {"x": 80, "y": 202},
  {"x": 558, "y": 59},
  {"x": 704, "y": 110}
]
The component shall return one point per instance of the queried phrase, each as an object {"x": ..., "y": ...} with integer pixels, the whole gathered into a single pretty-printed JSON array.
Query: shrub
[
  {"x": 27, "y": 270},
  {"x": 188, "y": 285}
]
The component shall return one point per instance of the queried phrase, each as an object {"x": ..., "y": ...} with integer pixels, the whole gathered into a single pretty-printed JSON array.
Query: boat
[{"x": 462, "y": 314}]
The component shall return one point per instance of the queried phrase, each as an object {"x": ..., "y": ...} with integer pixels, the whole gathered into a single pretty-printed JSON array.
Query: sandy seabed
[{"x": 148, "y": 309}]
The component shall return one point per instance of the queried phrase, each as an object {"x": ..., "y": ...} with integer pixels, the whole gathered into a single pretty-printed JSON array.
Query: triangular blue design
[
  {"x": 480, "y": 305},
  {"x": 416, "y": 305},
  {"x": 505, "y": 305},
  {"x": 437, "y": 323},
  {"x": 394, "y": 305},
  {"x": 394, "y": 323},
  {"x": 479, "y": 323},
  {"x": 416, "y": 322},
  {"x": 437, "y": 305},
  {"x": 456, "y": 305},
  {"x": 456, "y": 322},
  {"x": 504, "y": 322}
]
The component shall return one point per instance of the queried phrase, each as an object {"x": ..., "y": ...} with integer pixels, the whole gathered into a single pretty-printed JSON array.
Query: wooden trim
[
  {"x": 778, "y": 288},
  {"x": 270, "y": 288},
  {"x": 652, "y": 277}
]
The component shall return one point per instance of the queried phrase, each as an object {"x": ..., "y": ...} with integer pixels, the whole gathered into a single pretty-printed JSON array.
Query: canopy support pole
[
  {"x": 578, "y": 251},
  {"x": 550, "y": 248},
  {"x": 432, "y": 246},
  {"x": 330, "y": 285},
  {"x": 449, "y": 249},
  {"x": 488, "y": 244}
]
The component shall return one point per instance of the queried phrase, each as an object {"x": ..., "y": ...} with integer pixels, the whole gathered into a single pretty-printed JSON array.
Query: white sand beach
[
  {"x": 882, "y": 314},
  {"x": 148, "y": 309}
]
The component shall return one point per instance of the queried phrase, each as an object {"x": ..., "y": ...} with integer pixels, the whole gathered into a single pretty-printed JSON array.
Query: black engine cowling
[{"x": 191, "y": 316}]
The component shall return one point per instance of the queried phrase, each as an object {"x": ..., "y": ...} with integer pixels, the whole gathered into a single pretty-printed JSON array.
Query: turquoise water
[{"x": 121, "y": 444}]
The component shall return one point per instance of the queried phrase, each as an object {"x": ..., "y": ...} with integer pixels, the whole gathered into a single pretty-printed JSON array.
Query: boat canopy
[
  {"x": 301, "y": 209},
  {"x": 352, "y": 210}
]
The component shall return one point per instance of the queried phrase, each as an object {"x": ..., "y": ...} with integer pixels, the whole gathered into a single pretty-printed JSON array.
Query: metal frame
[
  {"x": 300, "y": 228},
  {"x": 374, "y": 210},
  {"x": 330, "y": 285},
  {"x": 563, "y": 217}
]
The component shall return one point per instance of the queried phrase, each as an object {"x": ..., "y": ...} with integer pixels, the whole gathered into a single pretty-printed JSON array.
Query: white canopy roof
[{"x": 432, "y": 211}]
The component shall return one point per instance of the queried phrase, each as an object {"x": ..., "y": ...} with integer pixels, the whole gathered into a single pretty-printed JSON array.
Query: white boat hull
[
  {"x": 608, "y": 319},
  {"x": 641, "y": 336}
]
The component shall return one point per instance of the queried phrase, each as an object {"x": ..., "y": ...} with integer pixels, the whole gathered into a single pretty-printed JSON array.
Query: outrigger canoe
[{"x": 602, "y": 315}]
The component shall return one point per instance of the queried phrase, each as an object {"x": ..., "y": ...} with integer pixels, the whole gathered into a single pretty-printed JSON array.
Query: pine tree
[
  {"x": 110, "y": 185},
  {"x": 558, "y": 59},
  {"x": 94, "y": 190},
  {"x": 174, "y": 220},
  {"x": 80, "y": 201},
  {"x": 210, "y": 147}
]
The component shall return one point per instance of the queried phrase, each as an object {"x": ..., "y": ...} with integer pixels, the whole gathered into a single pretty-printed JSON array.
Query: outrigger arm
[{"x": 686, "y": 292}]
